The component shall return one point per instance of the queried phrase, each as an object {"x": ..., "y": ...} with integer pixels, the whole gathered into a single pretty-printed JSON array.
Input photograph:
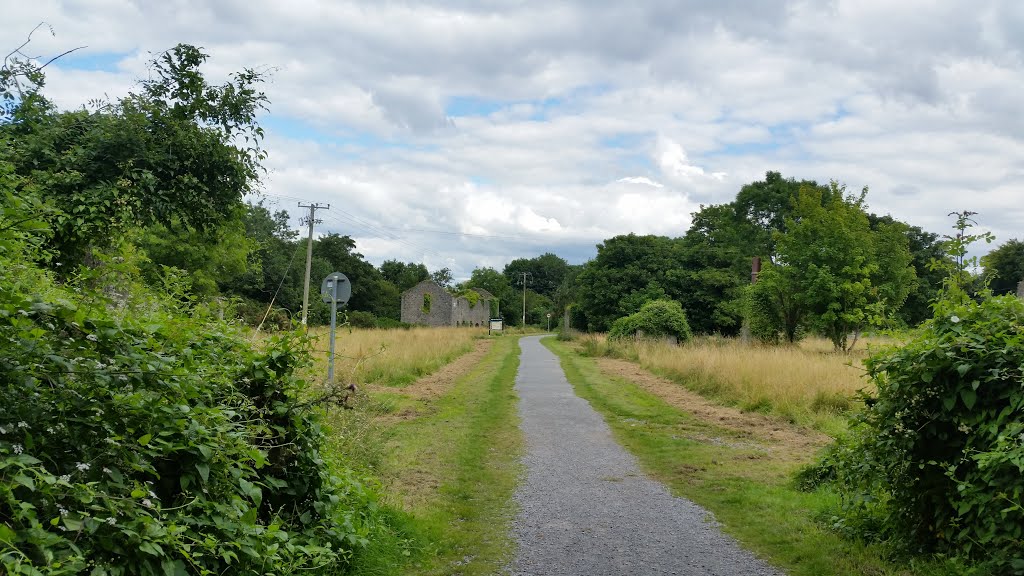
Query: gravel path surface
[{"x": 585, "y": 507}]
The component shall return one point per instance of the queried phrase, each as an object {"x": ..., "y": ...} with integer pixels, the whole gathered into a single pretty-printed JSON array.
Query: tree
[
  {"x": 837, "y": 271},
  {"x": 546, "y": 272},
  {"x": 627, "y": 272},
  {"x": 403, "y": 275},
  {"x": 442, "y": 277},
  {"x": 167, "y": 153},
  {"x": 1004, "y": 267}
]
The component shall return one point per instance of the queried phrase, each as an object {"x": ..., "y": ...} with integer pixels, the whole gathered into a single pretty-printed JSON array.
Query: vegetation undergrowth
[
  {"x": 797, "y": 383},
  {"x": 747, "y": 484},
  {"x": 449, "y": 463}
]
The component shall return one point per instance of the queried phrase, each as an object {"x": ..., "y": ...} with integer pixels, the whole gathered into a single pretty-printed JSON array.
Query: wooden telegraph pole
[{"x": 310, "y": 220}]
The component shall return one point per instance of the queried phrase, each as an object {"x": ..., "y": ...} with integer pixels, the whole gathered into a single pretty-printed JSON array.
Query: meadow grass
[
  {"x": 394, "y": 357},
  {"x": 446, "y": 464},
  {"x": 745, "y": 480},
  {"x": 807, "y": 384}
]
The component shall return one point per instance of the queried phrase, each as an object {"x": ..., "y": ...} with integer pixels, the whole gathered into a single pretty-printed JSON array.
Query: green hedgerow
[{"x": 936, "y": 461}]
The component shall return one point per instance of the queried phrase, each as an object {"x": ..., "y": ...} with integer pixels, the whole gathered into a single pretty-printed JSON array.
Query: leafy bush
[
  {"x": 657, "y": 318},
  {"x": 157, "y": 442},
  {"x": 764, "y": 317},
  {"x": 360, "y": 319},
  {"x": 937, "y": 458}
]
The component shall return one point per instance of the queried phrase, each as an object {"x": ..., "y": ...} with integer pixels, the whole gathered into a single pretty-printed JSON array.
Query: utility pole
[
  {"x": 525, "y": 274},
  {"x": 310, "y": 220}
]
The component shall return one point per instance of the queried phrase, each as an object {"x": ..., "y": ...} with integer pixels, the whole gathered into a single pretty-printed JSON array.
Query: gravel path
[{"x": 585, "y": 507}]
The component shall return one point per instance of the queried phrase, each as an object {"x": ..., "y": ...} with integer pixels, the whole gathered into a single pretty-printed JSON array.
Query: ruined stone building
[{"x": 431, "y": 305}]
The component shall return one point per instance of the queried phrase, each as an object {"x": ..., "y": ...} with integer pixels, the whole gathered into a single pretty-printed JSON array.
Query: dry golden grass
[
  {"x": 391, "y": 357},
  {"x": 807, "y": 384}
]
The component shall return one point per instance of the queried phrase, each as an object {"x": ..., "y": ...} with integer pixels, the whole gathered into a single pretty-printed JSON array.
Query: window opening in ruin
[{"x": 426, "y": 303}]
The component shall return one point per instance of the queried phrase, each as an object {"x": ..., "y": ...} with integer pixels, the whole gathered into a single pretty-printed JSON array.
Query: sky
[{"x": 467, "y": 133}]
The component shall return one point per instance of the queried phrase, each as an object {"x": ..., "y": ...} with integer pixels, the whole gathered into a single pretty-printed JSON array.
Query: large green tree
[
  {"x": 839, "y": 273},
  {"x": 403, "y": 275},
  {"x": 1004, "y": 267},
  {"x": 178, "y": 151},
  {"x": 544, "y": 273},
  {"x": 627, "y": 272}
]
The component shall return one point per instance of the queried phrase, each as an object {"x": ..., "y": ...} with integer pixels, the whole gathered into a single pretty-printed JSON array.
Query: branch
[{"x": 61, "y": 55}]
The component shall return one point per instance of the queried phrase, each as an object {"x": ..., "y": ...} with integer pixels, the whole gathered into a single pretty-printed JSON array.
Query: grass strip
[
  {"x": 456, "y": 468},
  {"x": 737, "y": 478}
]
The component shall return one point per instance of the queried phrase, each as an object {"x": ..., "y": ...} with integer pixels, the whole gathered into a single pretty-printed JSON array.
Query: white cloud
[{"x": 689, "y": 100}]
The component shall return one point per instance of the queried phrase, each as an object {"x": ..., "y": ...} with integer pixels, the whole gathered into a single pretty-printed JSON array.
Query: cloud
[
  {"x": 591, "y": 118},
  {"x": 641, "y": 180}
]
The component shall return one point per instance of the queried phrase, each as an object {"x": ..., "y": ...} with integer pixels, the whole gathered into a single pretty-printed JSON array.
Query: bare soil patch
[{"x": 779, "y": 437}]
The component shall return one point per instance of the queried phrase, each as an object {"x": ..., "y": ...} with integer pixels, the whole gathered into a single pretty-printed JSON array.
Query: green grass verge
[
  {"x": 456, "y": 467},
  {"x": 750, "y": 492}
]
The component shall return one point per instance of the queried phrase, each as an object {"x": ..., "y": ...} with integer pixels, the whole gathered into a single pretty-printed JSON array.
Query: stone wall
[
  {"x": 1020, "y": 290},
  {"x": 466, "y": 314},
  {"x": 441, "y": 305},
  {"x": 444, "y": 309}
]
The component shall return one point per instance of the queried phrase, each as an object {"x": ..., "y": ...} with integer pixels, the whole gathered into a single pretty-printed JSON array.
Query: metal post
[
  {"x": 309, "y": 255},
  {"x": 334, "y": 320}
]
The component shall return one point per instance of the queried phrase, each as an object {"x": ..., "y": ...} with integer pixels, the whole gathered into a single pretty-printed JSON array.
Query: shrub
[
  {"x": 657, "y": 318},
  {"x": 937, "y": 457},
  {"x": 159, "y": 443},
  {"x": 360, "y": 319}
]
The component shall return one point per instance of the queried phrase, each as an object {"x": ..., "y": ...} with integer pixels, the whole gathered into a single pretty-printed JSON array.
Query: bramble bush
[
  {"x": 938, "y": 458},
  {"x": 139, "y": 435},
  {"x": 935, "y": 461}
]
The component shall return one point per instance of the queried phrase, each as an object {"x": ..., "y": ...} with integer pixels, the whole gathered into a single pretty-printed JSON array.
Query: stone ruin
[
  {"x": 1020, "y": 290},
  {"x": 431, "y": 305}
]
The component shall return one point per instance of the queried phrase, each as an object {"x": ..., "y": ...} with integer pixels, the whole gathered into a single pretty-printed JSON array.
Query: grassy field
[
  {"x": 739, "y": 465},
  {"x": 808, "y": 384},
  {"x": 391, "y": 357},
  {"x": 434, "y": 423}
]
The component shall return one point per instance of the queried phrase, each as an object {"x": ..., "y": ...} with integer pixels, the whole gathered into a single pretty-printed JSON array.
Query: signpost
[
  {"x": 495, "y": 325},
  {"x": 335, "y": 289},
  {"x": 549, "y": 321}
]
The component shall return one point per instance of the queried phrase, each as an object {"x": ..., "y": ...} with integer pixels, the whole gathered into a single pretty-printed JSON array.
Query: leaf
[
  {"x": 204, "y": 470},
  {"x": 963, "y": 368},
  {"x": 969, "y": 397},
  {"x": 25, "y": 481},
  {"x": 6, "y": 534},
  {"x": 144, "y": 440}
]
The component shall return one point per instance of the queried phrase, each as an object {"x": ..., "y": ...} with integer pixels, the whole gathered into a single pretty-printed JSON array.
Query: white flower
[
  {"x": 50, "y": 429},
  {"x": 18, "y": 449},
  {"x": 147, "y": 503},
  {"x": 91, "y": 337},
  {"x": 22, "y": 424},
  {"x": 954, "y": 319},
  {"x": 62, "y": 510},
  {"x": 106, "y": 470},
  {"x": 152, "y": 494},
  {"x": 3, "y": 430},
  {"x": 82, "y": 466},
  {"x": 65, "y": 478},
  {"x": 111, "y": 520}
]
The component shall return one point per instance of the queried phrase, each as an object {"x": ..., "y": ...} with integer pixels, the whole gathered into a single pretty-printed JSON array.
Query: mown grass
[
  {"x": 393, "y": 357},
  {"x": 447, "y": 465},
  {"x": 808, "y": 384},
  {"x": 747, "y": 485}
]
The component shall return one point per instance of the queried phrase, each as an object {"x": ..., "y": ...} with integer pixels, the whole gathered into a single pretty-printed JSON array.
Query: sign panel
[
  {"x": 496, "y": 325},
  {"x": 336, "y": 288}
]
